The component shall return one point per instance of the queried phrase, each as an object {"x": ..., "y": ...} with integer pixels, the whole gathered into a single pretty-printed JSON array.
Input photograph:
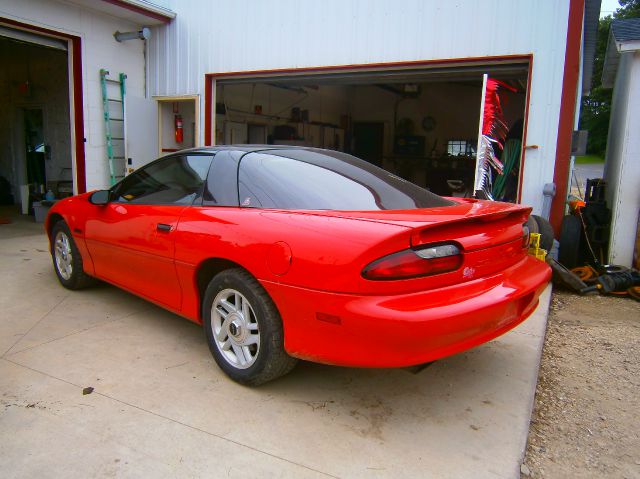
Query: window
[
  {"x": 461, "y": 148},
  {"x": 222, "y": 184},
  {"x": 322, "y": 180},
  {"x": 174, "y": 180}
]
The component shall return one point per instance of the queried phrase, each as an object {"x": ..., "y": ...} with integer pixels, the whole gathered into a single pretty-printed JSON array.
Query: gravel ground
[{"x": 586, "y": 419}]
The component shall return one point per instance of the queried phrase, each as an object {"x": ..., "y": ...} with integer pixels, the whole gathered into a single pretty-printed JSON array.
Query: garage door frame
[
  {"x": 76, "y": 109},
  {"x": 212, "y": 78}
]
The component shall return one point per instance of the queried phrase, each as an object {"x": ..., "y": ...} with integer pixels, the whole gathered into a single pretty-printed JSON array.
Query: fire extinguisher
[{"x": 179, "y": 131}]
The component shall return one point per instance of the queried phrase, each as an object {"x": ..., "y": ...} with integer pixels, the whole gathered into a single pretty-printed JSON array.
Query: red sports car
[{"x": 286, "y": 252}]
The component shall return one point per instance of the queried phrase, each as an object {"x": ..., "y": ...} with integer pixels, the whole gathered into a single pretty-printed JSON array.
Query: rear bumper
[{"x": 409, "y": 329}]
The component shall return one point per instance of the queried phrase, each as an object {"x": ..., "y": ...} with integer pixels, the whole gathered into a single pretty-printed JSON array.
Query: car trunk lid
[{"x": 488, "y": 234}]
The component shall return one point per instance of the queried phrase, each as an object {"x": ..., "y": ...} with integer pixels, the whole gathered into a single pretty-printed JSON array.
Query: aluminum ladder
[{"x": 113, "y": 104}]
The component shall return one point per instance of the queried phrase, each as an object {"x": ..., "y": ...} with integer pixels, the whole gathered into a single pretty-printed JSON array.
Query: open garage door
[
  {"x": 41, "y": 125},
  {"x": 419, "y": 121}
]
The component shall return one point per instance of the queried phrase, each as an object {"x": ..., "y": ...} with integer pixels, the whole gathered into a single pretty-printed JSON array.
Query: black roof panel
[{"x": 244, "y": 148}]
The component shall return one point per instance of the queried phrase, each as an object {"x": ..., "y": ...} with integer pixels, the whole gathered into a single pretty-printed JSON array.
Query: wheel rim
[
  {"x": 235, "y": 328},
  {"x": 63, "y": 255}
]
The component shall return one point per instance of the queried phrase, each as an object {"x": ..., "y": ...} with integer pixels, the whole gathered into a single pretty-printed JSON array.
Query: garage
[
  {"x": 36, "y": 135},
  {"x": 417, "y": 120}
]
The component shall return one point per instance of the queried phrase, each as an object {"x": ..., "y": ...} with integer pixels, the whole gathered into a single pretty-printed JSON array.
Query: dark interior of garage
[
  {"x": 35, "y": 136},
  {"x": 421, "y": 125}
]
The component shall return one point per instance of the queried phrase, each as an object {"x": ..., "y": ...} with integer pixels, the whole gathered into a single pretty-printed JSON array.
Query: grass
[{"x": 588, "y": 159}]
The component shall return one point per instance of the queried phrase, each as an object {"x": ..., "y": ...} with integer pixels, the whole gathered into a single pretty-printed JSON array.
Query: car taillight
[
  {"x": 526, "y": 236},
  {"x": 413, "y": 263}
]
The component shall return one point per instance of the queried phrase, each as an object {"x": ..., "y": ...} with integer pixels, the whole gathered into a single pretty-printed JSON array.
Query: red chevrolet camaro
[{"x": 285, "y": 252}]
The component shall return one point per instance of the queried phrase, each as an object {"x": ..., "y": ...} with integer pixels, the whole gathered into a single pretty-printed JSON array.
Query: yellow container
[{"x": 534, "y": 247}]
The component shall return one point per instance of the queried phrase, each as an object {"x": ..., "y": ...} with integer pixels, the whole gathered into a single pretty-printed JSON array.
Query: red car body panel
[
  {"x": 310, "y": 263},
  {"x": 129, "y": 251},
  {"x": 407, "y": 329}
]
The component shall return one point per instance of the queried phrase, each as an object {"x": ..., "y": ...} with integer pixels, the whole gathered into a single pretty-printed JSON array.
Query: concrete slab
[
  {"x": 51, "y": 430},
  {"x": 586, "y": 171},
  {"x": 161, "y": 407}
]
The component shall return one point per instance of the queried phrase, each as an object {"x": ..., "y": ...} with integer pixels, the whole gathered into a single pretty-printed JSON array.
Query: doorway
[
  {"x": 257, "y": 134},
  {"x": 35, "y": 148},
  {"x": 368, "y": 140},
  {"x": 36, "y": 136},
  {"x": 419, "y": 120},
  {"x": 41, "y": 122}
]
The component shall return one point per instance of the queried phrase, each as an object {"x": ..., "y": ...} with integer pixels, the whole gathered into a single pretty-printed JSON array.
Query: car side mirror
[{"x": 100, "y": 197}]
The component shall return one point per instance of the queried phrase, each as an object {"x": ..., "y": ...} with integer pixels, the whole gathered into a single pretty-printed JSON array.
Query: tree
[
  {"x": 628, "y": 9},
  {"x": 596, "y": 108}
]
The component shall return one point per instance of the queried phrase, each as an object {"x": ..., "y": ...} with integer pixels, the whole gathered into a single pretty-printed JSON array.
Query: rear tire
[
  {"x": 546, "y": 232},
  {"x": 532, "y": 224},
  {"x": 67, "y": 261},
  {"x": 570, "y": 247},
  {"x": 244, "y": 329}
]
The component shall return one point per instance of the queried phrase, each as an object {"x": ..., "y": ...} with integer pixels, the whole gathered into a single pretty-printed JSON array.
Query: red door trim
[
  {"x": 524, "y": 130},
  {"x": 76, "y": 81},
  {"x": 567, "y": 111},
  {"x": 210, "y": 77},
  {"x": 208, "y": 109},
  {"x": 78, "y": 116}
]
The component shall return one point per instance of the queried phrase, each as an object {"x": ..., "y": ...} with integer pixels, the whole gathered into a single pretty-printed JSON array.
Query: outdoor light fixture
[{"x": 143, "y": 34}]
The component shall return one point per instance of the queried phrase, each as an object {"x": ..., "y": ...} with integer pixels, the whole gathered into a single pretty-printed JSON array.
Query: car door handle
[{"x": 165, "y": 228}]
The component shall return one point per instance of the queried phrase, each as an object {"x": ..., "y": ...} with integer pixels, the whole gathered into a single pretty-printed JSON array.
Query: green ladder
[{"x": 113, "y": 104}]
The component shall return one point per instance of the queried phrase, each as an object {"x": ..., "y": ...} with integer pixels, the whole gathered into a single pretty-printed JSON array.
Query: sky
[{"x": 608, "y": 7}]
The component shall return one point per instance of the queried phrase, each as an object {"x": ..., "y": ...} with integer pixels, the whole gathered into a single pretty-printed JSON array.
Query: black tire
[
  {"x": 251, "y": 331},
  {"x": 570, "y": 235},
  {"x": 546, "y": 232},
  {"x": 532, "y": 224},
  {"x": 67, "y": 261}
]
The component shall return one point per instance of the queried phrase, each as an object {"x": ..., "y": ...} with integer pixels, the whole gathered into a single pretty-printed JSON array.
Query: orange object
[
  {"x": 576, "y": 204},
  {"x": 619, "y": 293},
  {"x": 179, "y": 129},
  {"x": 585, "y": 272}
]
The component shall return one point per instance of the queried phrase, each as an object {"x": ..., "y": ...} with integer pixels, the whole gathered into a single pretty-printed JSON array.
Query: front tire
[
  {"x": 67, "y": 261},
  {"x": 244, "y": 330}
]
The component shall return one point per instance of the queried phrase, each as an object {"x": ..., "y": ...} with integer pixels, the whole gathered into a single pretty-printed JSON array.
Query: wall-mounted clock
[{"x": 428, "y": 123}]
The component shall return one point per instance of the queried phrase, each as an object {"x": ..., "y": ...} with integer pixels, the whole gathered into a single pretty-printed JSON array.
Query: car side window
[
  {"x": 307, "y": 179},
  {"x": 221, "y": 188},
  {"x": 175, "y": 180}
]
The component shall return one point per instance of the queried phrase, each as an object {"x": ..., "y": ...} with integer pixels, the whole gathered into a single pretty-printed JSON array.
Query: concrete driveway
[
  {"x": 161, "y": 408},
  {"x": 584, "y": 172}
]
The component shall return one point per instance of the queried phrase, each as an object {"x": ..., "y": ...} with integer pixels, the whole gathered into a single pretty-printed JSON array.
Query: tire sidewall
[
  {"x": 546, "y": 232},
  {"x": 570, "y": 242},
  {"x": 266, "y": 317},
  {"x": 532, "y": 224}
]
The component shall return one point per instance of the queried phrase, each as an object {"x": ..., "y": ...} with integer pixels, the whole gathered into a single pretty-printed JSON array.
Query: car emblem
[
  {"x": 468, "y": 272},
  {"x": 233, "y": 329}
]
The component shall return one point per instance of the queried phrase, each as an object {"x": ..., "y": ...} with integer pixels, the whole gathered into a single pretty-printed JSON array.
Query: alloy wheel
[
  {"x": 63, "y": 255},
  {"x": 235, "y": 328}
]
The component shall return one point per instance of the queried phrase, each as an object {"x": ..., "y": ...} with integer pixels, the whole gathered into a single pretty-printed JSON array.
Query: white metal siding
[
  {"x": 226, "y": 35},
  {"x": 99, "y": 50},
  {"x": 622, "y": 168},
  {"x": 212, "y": 36}
]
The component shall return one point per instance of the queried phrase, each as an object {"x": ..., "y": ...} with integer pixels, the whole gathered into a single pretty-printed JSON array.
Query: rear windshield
[{"x": 325, "y": 180}]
